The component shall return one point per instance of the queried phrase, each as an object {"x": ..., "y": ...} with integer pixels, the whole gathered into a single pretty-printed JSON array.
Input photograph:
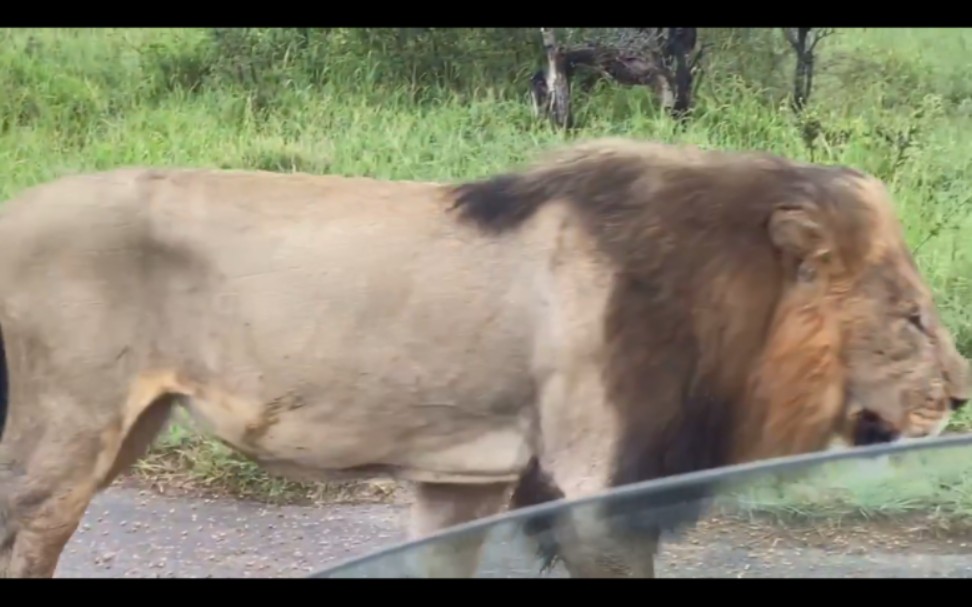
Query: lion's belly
[
  {"x": 429, "y": 394},
  {"x": 404, "y": 435}
]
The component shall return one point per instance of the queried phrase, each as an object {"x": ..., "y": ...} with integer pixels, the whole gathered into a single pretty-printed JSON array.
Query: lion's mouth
[{"x": 871, "y": 429}]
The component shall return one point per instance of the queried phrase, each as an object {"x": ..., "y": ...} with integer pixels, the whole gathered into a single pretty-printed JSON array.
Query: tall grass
[{"x": 452, "y": 104}]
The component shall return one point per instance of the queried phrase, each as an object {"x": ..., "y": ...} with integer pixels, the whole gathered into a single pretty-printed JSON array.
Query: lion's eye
[{"x": 916, "y": 320}]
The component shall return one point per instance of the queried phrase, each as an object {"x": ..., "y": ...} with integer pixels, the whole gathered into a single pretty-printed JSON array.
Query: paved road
[
  {"x": 133, "y": 533},
  {"x": 137, "y": 533}
]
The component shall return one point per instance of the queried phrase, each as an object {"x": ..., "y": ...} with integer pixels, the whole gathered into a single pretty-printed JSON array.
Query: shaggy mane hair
[{"x": 717, "y": 354}]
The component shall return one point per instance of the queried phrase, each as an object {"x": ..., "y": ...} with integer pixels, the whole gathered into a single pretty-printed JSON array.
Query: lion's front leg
[
  {"x": 592, "y": 549},
  {"x": 438, "y": 506},
  {"x": 580, "y": 434},
  {"x": 590, "y": 545}
]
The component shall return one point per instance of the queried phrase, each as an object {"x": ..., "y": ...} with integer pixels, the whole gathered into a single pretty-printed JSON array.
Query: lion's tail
[
  {"x": 536, "y": 487},
  {"x": 4, "y": 386}
]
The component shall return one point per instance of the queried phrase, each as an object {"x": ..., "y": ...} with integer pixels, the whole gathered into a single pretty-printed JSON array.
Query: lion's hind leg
[
  {"x": 64, "y": 441},
  {"x": 47, "y": 479},
  {"x": 46, "y": 488}
]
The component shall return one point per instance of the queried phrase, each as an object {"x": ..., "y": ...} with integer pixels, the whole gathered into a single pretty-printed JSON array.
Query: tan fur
[{"x": 330, "y": 325}]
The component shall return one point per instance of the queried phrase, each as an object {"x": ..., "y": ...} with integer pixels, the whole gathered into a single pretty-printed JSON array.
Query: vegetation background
[{"x": 445, "y": 104}]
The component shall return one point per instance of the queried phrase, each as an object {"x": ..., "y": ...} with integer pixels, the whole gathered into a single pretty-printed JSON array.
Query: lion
[{"x": 617, "y": 311}]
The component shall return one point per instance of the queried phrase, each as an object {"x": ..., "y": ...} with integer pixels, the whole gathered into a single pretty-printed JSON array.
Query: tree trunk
[
  {"x": 679, "y": 44},
  {"x": 804, "y": 41},
  {"x": 557, "y": 81}
]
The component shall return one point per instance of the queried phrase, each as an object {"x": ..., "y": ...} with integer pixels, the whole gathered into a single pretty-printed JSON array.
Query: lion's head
[
  {"x": 856, "y": 339},
  {"x": 904, "y": 376},
  {"x": 760, "y": 307}
]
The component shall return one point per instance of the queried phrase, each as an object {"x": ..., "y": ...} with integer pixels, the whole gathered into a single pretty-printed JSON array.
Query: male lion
[{"x": 618, "y": 312}]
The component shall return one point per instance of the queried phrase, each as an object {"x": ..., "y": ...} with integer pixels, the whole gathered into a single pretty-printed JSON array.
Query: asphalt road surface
[{"x": 137, "y": 533}]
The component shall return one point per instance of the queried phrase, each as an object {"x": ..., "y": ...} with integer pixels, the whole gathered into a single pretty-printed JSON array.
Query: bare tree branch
[
  {"x": 697, "y": 60},
  {"x": 820, "y": 34}
]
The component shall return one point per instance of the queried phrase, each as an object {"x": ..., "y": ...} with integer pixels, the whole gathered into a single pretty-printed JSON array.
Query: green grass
[
  {"x": 893, "y": 102},
  {"x": 934, "y": 486}
]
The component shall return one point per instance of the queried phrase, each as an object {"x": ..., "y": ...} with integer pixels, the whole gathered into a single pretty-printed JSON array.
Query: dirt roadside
[{"x": 133, "y": 531}]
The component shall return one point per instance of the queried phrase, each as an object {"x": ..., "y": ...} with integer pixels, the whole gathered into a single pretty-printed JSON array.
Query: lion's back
[{"x": 81, "y": 209}]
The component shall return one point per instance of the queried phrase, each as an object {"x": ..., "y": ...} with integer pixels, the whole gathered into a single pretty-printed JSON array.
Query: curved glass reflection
[{"x": 900, "y": 510}]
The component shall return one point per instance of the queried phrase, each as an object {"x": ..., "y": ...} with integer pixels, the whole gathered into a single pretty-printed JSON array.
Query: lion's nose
[{"x": 958, "y": 403}]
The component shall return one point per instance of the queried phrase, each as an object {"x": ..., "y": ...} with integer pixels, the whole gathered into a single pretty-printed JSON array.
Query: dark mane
[
  {"x": 4, "y": 387},
  {"x": 697, "y": 283},
  {"x": 629, "y": 189},
  {"x": 506, "y": 201}
]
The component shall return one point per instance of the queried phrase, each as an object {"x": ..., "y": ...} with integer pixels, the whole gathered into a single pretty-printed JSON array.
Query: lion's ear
[{"x": 798, "y": 233}]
